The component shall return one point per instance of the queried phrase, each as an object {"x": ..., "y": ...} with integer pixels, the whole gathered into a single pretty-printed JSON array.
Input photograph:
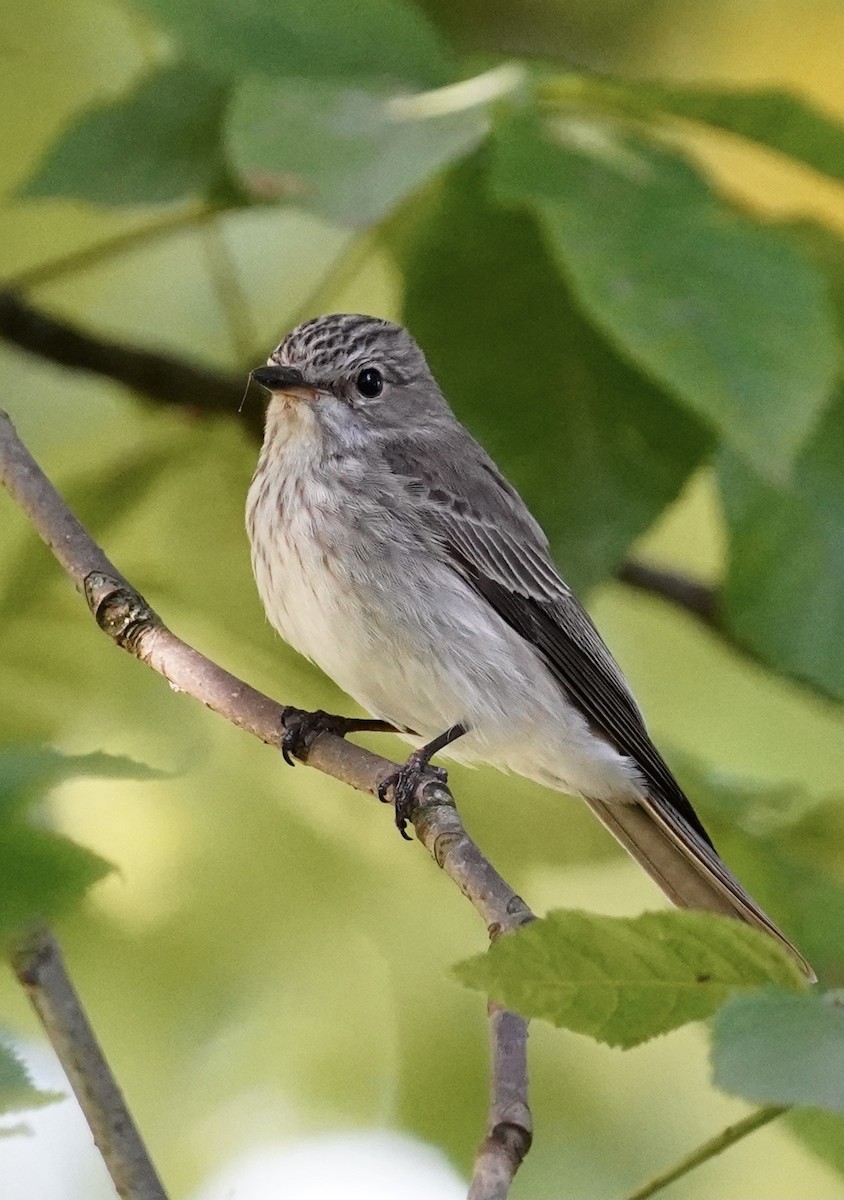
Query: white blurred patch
[
  {"x": 356, "y": 1166},
  {"x": 58, "y": 1160}
]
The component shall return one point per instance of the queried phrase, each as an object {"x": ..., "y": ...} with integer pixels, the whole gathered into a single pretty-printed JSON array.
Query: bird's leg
[
  {"x": 407, "y": 779},
  {"x": 301, "y": 729}
]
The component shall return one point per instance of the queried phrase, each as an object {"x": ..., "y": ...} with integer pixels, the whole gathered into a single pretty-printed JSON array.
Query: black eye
[{"x": 370, "y": 382}]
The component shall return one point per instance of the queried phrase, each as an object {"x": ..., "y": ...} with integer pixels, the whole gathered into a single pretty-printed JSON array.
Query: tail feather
[{"x": 685, "y": 866}]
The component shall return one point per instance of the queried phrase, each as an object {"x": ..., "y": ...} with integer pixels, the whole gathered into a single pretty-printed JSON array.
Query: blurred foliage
[
  {"x": 17, "y": 1091},
  {"x": 616, "y": 229},
  {"x": 780, "y": 1048},
  {"x": 44, "y": 874},
  {"x": 578, "y": 448}
]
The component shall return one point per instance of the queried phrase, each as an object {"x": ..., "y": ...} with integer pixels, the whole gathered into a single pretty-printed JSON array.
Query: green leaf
[
  {"x": 43, "y": 874},
  {"x": 159, "y": 143},
  {"x": 28, "y": 773},
  {"x": 729, "y": 316},
  {"x": 343, "y": 151},
  {"x": 783, "y": 596},
  {"x": 782, "y": 844},
  {"x": 17, "y": 1091},
  {"x": 387, "y": 39},
  {"x": 779, "y": 120},
  {"x": 822, "y": 1132},
  {"x": 593, "y": 445},
  {"x": 781, "y": 1048},
  {"x": 776, "y": 119},
  {"x": 623, "y": 980}
]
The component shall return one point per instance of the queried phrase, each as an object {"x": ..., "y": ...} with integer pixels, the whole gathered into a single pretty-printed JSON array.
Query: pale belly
[{"x": 415, "y": 646}]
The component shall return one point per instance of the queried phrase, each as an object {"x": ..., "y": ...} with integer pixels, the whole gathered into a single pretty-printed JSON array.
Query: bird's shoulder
[{"x": 475, "y": 511}]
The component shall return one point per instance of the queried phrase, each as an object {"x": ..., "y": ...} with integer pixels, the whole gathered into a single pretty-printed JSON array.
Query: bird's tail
[{"x": 684, "y": 865}]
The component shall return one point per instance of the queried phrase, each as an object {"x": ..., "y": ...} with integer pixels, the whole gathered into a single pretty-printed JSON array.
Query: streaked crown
[{"x": 337, "y": 345}]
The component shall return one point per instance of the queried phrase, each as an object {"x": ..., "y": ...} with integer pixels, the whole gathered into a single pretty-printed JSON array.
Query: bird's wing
[
  {"x": 492, "y": 540},
  {"x": 486, "y": 532}
]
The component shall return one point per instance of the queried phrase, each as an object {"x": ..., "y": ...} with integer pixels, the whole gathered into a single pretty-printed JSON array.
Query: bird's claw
[
  {"x": 301, "y": 729},
  {"x": 404, "y": 784}
]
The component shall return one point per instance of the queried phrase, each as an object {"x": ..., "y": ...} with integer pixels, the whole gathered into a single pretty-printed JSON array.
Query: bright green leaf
[
  {"x": 343, "y": 151},
  {"x": 783, "y": 595},
  {"x": 387, "y": 39},
  {"x": 782, "y": 1048},
  {"x": 623, "y": 980},
  {"x": 17, "y": 1091},
  {"x": 729, "y": 316},
  {"x": 159, "y": 143},
  {"x": 595, "y": 447}
]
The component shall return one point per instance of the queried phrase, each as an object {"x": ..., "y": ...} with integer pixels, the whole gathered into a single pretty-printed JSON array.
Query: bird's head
[{"x": 352, "y": 373}]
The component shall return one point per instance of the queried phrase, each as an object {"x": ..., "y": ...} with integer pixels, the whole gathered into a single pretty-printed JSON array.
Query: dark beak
[{"x": 278, "y": 379}]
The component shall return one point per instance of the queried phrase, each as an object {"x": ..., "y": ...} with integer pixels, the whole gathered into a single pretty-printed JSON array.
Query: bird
[{"x": 390, "y": 550}]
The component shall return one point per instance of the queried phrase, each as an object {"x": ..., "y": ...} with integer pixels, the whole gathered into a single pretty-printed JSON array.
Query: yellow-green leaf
[{"x": 623, "y": 980}]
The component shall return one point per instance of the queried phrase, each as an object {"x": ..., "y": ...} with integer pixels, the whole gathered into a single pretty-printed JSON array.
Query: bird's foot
[
  {"x": 301, "y": 729},
  {"x": 405, "y": 783}
]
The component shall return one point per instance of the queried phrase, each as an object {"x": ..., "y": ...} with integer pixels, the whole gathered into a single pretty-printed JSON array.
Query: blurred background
[{"x": 268, "y": 965}]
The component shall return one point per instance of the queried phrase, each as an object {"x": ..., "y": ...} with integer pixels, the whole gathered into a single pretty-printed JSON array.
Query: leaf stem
[
  {"x": 710, "y": 1149},
  {"x": 338, "y": 275},
  {"x": 92, "y": 256},
  {"x": 233, "y": 301}
]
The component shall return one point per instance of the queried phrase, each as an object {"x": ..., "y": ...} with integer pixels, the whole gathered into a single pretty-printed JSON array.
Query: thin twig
[
  {"x": 37, "y": 962},
  {"x": 163, "y": 378},
  {"x": 509, "y": 1126},
  {"x": 704, "y": 602},
  {"x": 715, "y": 1146},
  {"x": 233, "y": 301},
  {"x": 179, "y": 383},
  {"x": 339, "y": 274},
  {"x": 127, "y": 618},
  {"x": 91, "y": 256},
  {"x": 173, "y": 381},
  {"x": 699, "y": 599}
]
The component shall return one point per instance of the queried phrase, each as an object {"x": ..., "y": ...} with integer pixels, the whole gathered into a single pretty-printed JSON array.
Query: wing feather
[{"x": 498, "y": 547}]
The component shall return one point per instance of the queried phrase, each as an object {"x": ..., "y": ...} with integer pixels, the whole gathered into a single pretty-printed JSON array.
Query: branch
[
  {"x": 175, "y": 382},
  {"x": 509, "y": 1127},
  {"x": 167, "y": 380},
  {"x": 715, "y": 1146},
  {"x": 191, "y": 217},
  {"x": 181, "y": 384},
  {"x": 37, "y": 962},
  {"x": 125, "y": 616},
  {"x": 699, "y": 599}
]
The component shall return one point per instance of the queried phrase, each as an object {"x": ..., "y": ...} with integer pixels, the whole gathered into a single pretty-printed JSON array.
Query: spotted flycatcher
[{"x": 390, "y": 550}]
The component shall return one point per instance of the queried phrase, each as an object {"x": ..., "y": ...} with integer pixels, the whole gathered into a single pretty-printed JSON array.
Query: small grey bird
[{"x": 390, "y": 550}]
